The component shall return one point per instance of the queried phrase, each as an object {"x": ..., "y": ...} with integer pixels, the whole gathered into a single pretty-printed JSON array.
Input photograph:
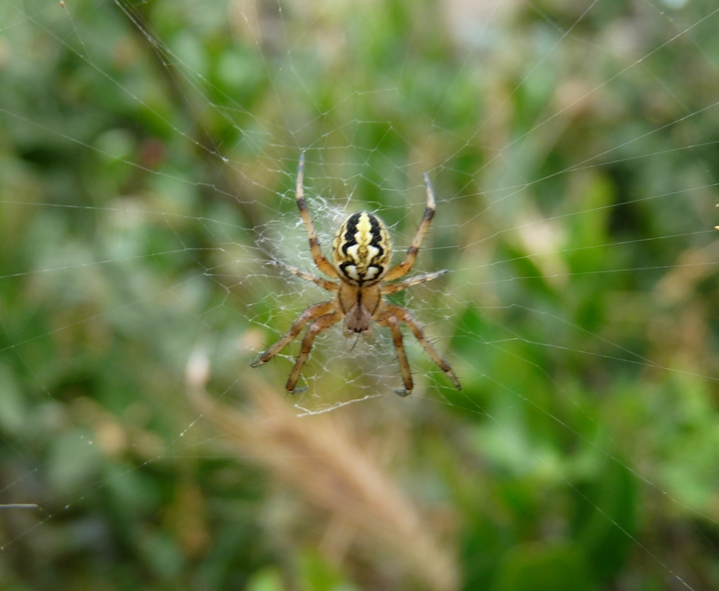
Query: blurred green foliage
[{"x": 142, "y": 145}]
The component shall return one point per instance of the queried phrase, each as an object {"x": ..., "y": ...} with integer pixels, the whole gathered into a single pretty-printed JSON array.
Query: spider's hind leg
[
  {"x": 323, "y": 283},
  {"x": 322, "y": 263},
  {"x": 410, "y": 256},
  {"x": 416, "y": 280}
]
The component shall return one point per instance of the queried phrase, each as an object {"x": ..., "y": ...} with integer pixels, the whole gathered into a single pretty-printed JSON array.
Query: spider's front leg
[
  {"x": 390, "y": 320},
  {"x": 406, "y": 316},
  {"x": 310, "y": 314},
  {"x": 318, "y": 326}
]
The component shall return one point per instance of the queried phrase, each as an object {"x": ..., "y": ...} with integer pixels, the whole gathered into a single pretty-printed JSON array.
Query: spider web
[{"x": 169, "y": 247}]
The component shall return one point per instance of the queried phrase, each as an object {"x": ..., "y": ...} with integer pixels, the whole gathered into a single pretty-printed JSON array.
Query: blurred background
[{"x": 148, "y": 155}]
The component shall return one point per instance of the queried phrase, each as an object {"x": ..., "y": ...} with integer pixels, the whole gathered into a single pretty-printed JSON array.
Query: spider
[{"x": 361, "y": 252}]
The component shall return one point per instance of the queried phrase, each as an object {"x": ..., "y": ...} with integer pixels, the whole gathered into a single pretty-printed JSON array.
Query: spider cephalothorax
[{"x": 361, "y": 251}]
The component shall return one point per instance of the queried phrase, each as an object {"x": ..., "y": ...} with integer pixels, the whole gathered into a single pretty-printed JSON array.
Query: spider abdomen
[{"x": 361, "y": 249}]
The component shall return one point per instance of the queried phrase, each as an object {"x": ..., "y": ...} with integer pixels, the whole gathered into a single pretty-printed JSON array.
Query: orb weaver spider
[{"x": 361, "y": 252}]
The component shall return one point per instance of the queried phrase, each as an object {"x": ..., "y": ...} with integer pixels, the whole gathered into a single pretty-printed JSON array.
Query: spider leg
[
  {"x": 403, "y": 268},
  {"x": 310, "y": 314},
  {"x": 406, "y": 316},
  {"x": 402, "y": 285},
  {"x": 318, "y": 326},
  {"x": 323, "y": 283},
  {"x": 390, "y": 320},
  {"x": 322, "y": 263}
]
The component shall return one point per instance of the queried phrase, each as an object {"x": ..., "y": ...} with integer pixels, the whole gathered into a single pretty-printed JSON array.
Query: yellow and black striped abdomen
[{"x": 361, "y": 249}]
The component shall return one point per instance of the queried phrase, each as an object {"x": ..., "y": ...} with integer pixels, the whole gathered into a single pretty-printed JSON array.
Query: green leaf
[
  {"x": 605, "y": 518},
  {"x": 543, "y": 567},
  {"x": 12, "y": 408}
]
